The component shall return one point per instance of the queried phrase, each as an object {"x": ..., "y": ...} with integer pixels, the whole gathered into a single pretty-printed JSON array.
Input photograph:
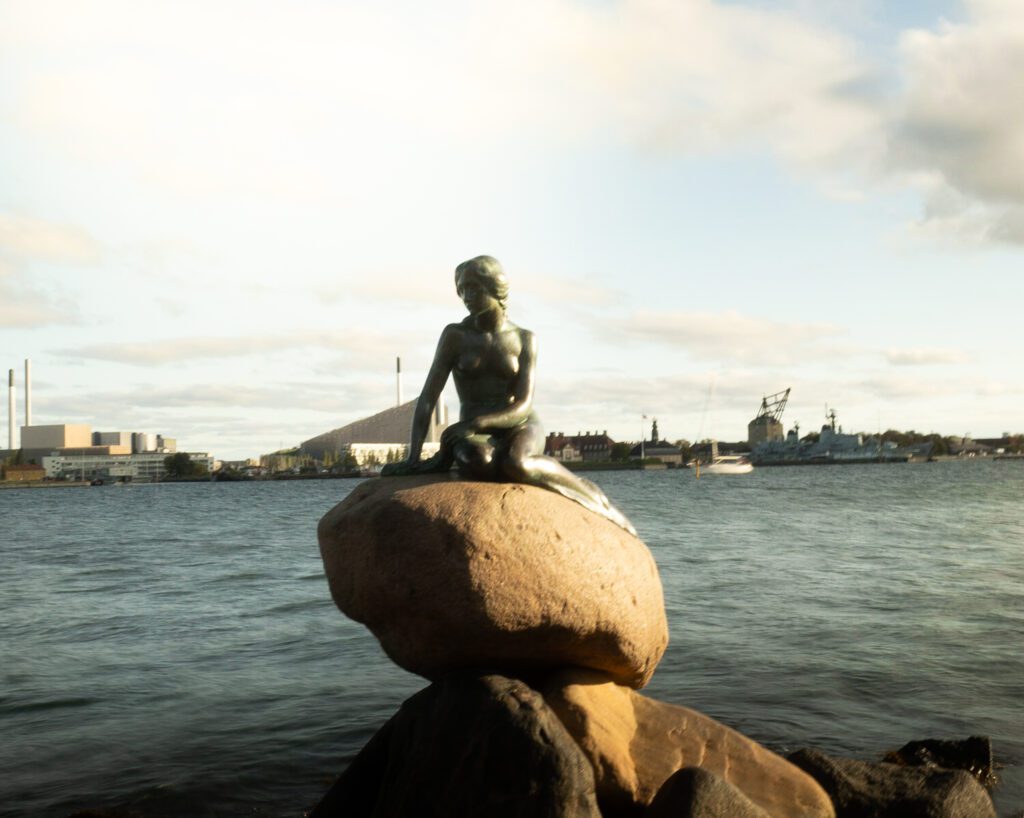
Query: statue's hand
[
  {"x": 439, "y": 462},
  {"x": 456, "y": 432},
  {"x": 401, "y": 469}
]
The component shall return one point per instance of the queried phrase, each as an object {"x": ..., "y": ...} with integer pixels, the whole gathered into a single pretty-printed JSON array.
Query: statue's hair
[{"x": 492, "y": 276}]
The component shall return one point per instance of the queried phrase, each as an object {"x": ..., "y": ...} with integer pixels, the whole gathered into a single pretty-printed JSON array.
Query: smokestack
[
  {"x": 28, "y": 392},
  {"x": 10, "y": 409},
  {"x": 398, "y": 382}
]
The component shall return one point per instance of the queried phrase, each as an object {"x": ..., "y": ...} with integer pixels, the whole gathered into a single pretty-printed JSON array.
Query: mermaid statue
[{"x": 498, "y": 436}]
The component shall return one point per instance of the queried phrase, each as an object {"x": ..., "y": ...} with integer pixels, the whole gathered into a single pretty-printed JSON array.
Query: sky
[{"x": 222, "y": 221}]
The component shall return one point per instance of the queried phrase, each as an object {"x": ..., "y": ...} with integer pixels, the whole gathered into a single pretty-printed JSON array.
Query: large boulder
[
  {"x": 452, "y": 574},
  {"x": 636, "y": 743},
  {"x": 866, "y": 789},
  {"x": 467, "y": 745}
]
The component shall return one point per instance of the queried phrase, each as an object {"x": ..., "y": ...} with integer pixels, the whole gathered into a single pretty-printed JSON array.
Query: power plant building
[
  {"x": 74, "y": 451},
  {"x": 378, "y": 436},
  {"x": 59, "y": 436}
]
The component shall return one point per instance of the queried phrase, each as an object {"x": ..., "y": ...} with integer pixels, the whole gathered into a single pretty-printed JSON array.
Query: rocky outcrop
[
  {"x": 461, "y": 581},
  {"x": 693, "y": 792},
  {"x": 864, "y": 789},
  {"x": 453, "y": 574},
  {"x": 467, "y": 746},
  {"x": 636, "y": 743},
  {"x": 973, "y": 754}
]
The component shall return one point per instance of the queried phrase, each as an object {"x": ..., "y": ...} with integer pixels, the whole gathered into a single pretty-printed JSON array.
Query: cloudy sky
[{"x": 222, "y": 221}]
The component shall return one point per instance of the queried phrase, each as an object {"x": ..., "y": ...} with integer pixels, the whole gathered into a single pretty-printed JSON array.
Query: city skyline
[{"x": 227, "y": 220}]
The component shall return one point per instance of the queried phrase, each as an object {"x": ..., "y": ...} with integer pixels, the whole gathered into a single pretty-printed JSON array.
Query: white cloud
[
  {"x": 25, "y": 242},
  {"x": 24, "y": 307},
  {"x": 958, "y": 130},
  {"x": 320, "y": 101},
  {"x": 176, "y": 350},
  {"x": 730, "y": 336},
  {"x": 30, "y": 239},
  {"x": 383, "y": 111},
  {"x": 705, "y": 75},
  {"x": 926, "y": 356},
  {"x": 567, "y": 293}
]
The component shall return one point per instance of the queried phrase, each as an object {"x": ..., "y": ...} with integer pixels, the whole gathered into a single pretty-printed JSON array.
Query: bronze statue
[{"x": 498, "y": 436}]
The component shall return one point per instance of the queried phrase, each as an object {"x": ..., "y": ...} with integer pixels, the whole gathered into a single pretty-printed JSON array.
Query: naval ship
[{"x": 831, "y": 448}]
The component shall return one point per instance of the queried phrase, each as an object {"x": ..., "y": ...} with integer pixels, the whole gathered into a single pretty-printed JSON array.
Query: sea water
[{"x": 173, "y": 649}]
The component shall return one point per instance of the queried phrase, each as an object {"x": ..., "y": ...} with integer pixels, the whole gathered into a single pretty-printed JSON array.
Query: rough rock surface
[
  {"x": 973, "y": 754},
  {"x": 452, "y": 574},
  {"x": 467, "y": 745},
  {"x": 864, "y": 789},
  {"x": 695, "y": 793},
  {"x": 636, "y": 743}
]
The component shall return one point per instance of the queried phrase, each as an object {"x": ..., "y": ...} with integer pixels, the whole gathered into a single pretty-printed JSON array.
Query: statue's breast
[{"x": 489, "y": 356}]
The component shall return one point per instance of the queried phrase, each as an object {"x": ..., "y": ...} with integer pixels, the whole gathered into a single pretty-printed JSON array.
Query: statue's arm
[
  {"x": 518, "y": 411},
  {"x": 437, "y": 377}
]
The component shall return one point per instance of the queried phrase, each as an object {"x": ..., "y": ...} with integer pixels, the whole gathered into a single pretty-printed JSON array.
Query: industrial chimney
[
  {"x": 28, "y": 392},
  {"x": 10, "y": 408},
  {"x": 398, "y": 382}
]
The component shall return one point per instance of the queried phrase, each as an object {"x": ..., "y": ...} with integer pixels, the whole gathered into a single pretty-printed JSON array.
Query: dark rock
[
  {"x": 104, "y": 813},
  {"x": 973, "y": 754},
  {"x": 864, "y": 789},
  {"x": 466, "y": 746},
  {"x": 695, "y": 793}
]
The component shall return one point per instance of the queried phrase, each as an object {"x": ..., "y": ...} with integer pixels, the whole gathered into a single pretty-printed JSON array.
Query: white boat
[{"x": 726, "y": 464}]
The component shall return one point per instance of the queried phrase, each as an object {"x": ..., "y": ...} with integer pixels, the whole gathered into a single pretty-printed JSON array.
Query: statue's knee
[{"x": 476, "y": 461}]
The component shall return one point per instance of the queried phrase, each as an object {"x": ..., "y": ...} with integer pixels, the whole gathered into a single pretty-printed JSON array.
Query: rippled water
[{"x": 173, "y": 649}]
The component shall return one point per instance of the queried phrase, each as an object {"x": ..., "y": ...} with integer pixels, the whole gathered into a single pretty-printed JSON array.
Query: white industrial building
[
  {"x": 75, "y": 451},
  {"x": 142, "y": 467}
]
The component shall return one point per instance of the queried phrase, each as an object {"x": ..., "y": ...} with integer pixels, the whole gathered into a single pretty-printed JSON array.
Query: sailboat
[{"x": 721, "y": 463}]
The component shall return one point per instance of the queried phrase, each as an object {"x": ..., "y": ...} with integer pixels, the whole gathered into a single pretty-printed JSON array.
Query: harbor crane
[{"x": 773, "y": 405}]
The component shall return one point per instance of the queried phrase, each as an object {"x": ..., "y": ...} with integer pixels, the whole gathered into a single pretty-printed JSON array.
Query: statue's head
[{"x": 487, "y": 270}]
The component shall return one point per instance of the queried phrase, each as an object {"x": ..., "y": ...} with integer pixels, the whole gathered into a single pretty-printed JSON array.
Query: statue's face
[{"x": 475, "y": 294}]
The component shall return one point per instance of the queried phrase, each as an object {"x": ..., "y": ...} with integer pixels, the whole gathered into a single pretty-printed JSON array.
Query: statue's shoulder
[
  {"x": 453, "y": 333},
  {"x": 528, "y": 339}
]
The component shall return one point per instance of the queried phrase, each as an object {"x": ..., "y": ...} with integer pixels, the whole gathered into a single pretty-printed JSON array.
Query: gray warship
[{"x": 832, "y": 447}]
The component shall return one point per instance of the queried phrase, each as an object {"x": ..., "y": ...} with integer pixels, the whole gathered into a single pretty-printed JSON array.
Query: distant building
[
  {"x": 39, "y": 441},
  {"x": 58, "y": 436},
  {"x": 657, "y": 448},
  {"x": 1004, "y": 444},
  {"x": 580, "y": 446},
  {"x": 89, "y": 464},
  {"x": 966, "y": 447},
  {"x": 78, "y": 440},
  {"x": 763, "y": 429},
  {"x": 767, "y": 426},
  {"x": 560, "y": 447},
  {"x": 73, "y": 451},
  {"x": 373, "y": 437},
  {"x": 121, "y": 440}
]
